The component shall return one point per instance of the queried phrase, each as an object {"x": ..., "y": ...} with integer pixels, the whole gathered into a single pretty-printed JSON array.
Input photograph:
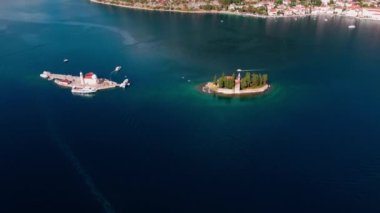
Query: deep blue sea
[{"x": 310, "y": 144}]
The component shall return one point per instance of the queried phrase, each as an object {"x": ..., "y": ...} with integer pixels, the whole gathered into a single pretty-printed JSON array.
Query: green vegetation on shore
[
  {"x": 250, "y": 80},
  {"x": 225, "y": 81}
]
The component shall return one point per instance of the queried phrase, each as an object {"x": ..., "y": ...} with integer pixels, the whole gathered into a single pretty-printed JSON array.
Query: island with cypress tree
[{"x": 251, "y": 83}]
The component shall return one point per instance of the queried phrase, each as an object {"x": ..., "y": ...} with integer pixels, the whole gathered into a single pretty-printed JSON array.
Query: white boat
[
  {"x": 63, "y": 82},
  {"x": 117, "y": 69},
  {"x": 83, "y": 90},
  {"x": 44, "y": 75},
  {"x": 125, "y": 83},
  {"x": 65, "y": 60},
  {"x": 351, "y": 26},
  {"x": 326, "y": 19}
]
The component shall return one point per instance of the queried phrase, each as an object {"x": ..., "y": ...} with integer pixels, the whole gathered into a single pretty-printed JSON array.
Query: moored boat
[
  {"x": 63, "y": 82},
  {"x": 44, "y": 74},
  {"x": 83, "y": 90},
  {"x": 125, "y": 83}
]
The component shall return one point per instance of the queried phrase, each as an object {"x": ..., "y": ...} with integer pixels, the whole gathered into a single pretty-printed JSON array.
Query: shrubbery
[{"x": 250, "y": 80}]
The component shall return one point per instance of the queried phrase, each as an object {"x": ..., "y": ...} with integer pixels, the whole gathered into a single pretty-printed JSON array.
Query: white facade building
[{"x": 90, "y": 78}]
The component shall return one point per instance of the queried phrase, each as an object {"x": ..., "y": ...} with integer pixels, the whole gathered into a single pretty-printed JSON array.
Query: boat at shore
[
  {"x": 62, "y": 82},
  {"x": 83, "y": 90},
  {"x": 44, "y": 74},
  {"x": 125, "y": 83},
  {"x": 351, "y": 26}
]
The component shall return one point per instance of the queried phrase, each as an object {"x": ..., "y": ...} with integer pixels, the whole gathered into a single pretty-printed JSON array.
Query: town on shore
[{"x": 367, "y": 9}]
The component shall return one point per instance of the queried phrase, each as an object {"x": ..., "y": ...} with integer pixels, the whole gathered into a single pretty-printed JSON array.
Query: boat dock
[{"x": 89, "y": 80}]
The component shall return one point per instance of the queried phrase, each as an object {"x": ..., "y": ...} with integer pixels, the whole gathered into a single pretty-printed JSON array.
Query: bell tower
[{"x": 237, "y": 84}]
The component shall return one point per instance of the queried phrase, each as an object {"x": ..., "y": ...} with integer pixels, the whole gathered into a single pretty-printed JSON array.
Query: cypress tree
[
  {"x": 255, "y": 80},
  {"x": 265, "y": 78},
  {"x": 260, "y": 80}
]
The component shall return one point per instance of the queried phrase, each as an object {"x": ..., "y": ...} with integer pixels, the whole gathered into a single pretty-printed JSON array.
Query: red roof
[{"x": 89, "y": 75}]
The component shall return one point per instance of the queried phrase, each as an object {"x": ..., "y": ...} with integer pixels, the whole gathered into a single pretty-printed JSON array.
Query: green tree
[
  {"x": 228, "y": 2},
  {"x": 260, "y": 80},
  {"x": 255, "y": 80},
  {"x": 278, "y": 2},
  {"x": 206, "y": 7},
  {"x": 317, "y": 2},
  {"x": 265, "y": 79},
  {"x": 221, "y": 81},
  {"x": 261, "y": 10},
  {"x": 245, "y": 81},
  {"x": 231, "y": 84}
]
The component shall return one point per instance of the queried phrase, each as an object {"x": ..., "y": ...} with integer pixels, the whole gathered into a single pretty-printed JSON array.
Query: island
[
  {"x": 83, "y": 84},
  {"x": 363, "y": 9},
  {"x": 251, "y": 83}
]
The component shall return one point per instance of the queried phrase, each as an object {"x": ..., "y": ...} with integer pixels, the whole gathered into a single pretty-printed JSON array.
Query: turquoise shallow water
[{"x": 308, "y": 145}]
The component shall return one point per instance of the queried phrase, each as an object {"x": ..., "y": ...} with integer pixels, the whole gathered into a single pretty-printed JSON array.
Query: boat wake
[
  {"x": 86, "y": 177},
  {"x": 106, "y": 205}
]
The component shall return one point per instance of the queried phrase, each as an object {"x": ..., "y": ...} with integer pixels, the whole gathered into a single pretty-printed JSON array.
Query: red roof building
[{"x": 89, "y": 75}]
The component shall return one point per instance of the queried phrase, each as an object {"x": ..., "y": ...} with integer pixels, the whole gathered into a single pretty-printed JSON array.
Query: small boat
[
  {"x": 125, "y": 83},
  {"x": 351, "y": 26},
  {"x": 326, "y": 19},
  {"x": 65, "y": 60},
  {"x": 44, "y": 74},
  {"x": 221, "y": 21},
  {"x": 63, "y": 82},
  {"x": 117, "y": 69},
  {"x": 83, "y": 90}
]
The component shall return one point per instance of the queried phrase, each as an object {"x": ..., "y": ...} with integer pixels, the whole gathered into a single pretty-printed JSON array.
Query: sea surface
[{"x": 310, "y": 144}]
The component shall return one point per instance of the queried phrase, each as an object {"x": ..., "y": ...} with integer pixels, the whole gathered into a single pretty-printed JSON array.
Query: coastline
[
  {"x": 178, "y": 11},
  {"x": 226, "y": 12}
]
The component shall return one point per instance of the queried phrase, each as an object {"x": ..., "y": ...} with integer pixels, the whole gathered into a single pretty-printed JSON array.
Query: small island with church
[{"x": 251, "y": 83}]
